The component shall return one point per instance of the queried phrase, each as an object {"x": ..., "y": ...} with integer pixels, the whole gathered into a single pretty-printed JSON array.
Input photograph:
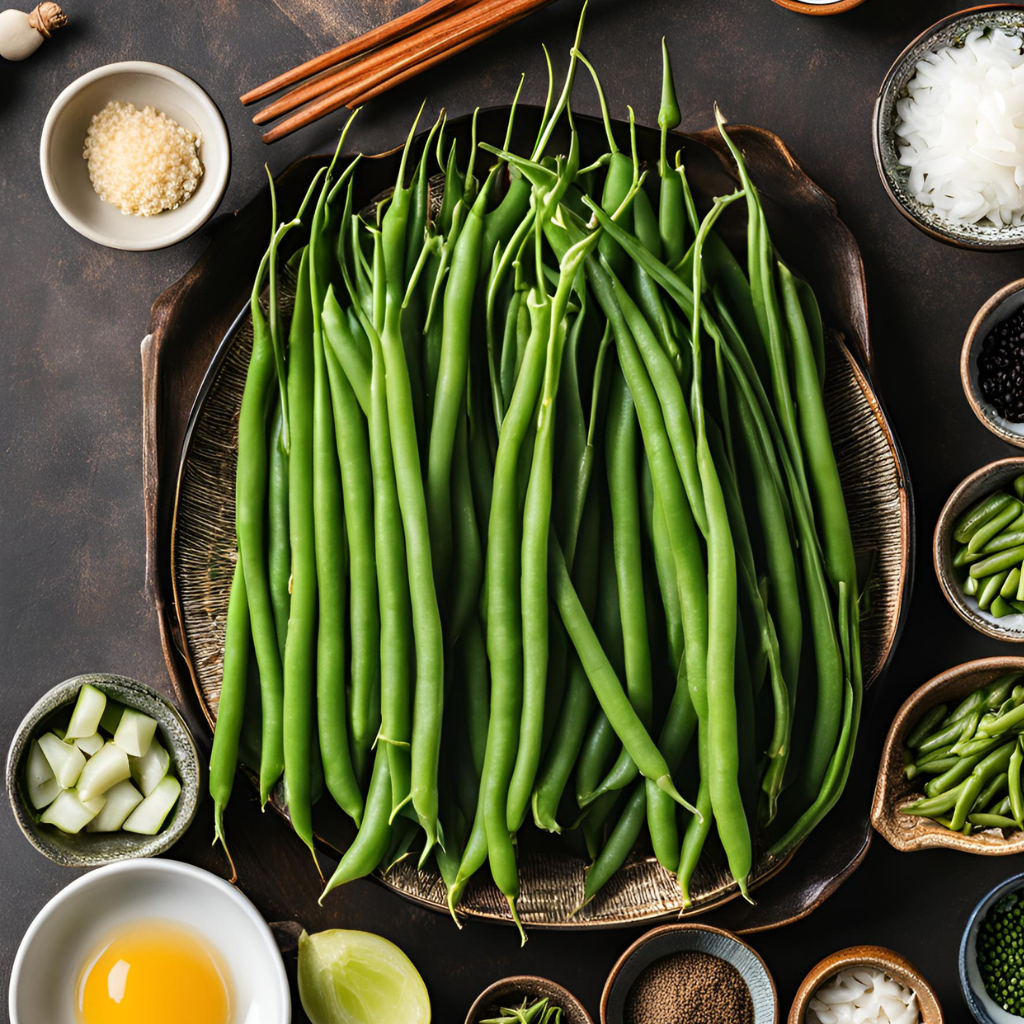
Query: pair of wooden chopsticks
[{"x": 356, "y": 71}]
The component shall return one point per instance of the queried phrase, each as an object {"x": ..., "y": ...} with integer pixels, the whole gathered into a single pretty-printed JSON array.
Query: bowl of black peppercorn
[{"x": 992, "y": 364}]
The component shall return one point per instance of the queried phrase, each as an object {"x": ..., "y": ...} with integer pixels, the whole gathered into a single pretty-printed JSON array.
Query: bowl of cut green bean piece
[
  {"x": 979, "y": 550},
  {"x": 951, "y": 772}
]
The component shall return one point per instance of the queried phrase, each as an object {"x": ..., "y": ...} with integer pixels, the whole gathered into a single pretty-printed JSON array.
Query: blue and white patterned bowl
[
  {"x": 983, "y": 1009},
  {"x": 689, "y": 938}
]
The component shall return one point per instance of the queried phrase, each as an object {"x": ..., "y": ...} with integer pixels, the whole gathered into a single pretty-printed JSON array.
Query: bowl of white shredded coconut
[
  {"x": 949, "y": 129},
  {"x": 135, "y": 156}
]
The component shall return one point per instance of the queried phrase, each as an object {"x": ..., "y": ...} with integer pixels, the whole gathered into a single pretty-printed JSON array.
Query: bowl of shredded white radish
[
  {"x": 863, "y": 993},
  {"x": 865, "y": 985},
  {"x": 949, "y": 129}
]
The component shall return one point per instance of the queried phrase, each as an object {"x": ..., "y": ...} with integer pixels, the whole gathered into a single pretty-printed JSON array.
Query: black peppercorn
[{"x": 1001, "y": 368}]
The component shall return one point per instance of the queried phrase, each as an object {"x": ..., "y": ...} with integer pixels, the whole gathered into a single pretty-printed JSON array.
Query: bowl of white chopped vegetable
[
  {"x": 947, "y": 137},
  {"x": 102, "y": 769},
  {"x": 134, "y": 155},
  {"x": 865, "y": 983}
]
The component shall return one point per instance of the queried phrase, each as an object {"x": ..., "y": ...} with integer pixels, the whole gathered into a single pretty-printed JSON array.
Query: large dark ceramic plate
[{"x": 197, "y": 527}]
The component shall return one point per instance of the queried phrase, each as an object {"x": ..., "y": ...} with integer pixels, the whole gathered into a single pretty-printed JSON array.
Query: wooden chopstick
[
  {"x": 491, "y": 17},
  {"x": 390, "y": 59},
  {"x": 417, "y": 18},
  {"x": 425, "y": 65}
]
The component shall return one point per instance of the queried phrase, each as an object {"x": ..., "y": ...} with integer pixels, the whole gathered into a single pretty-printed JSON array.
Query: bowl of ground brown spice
[{"x": 689, "y": 974}]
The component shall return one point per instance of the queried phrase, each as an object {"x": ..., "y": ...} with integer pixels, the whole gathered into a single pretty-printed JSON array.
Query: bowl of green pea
[
  {"x": 978, "y": 550},
  {"x": 992, "y": 955}
]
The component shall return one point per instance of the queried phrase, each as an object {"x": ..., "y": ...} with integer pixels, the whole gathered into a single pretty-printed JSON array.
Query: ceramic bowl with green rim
[{"x": 84, "y": 849}]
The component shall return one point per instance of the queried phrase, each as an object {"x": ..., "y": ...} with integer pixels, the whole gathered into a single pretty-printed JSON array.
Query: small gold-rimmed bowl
[
  {"x": 670, "y": 939},
  {"x": 835, "y": 7},
  {"x": 1003, "y": 305},
  {"x": 908, "y": 832},
  {"x": 948, "y": 31},
  {"x": 979, "y": 485},
  {"x": 512, "y": 992},
  {"x": 898, "y": 967}
]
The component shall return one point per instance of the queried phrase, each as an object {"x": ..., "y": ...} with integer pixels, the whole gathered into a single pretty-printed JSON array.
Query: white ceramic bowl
[
  {"x": 66, "y": 173},
  {"x": 77, "y": 919}
]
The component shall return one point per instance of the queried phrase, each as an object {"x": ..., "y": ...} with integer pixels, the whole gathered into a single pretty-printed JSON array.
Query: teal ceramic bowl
[
  {"x": 689, "y": 938},
  {"x": 90, "y": 849}
]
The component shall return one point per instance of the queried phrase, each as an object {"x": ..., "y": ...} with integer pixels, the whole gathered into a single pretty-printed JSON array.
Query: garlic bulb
[{"x": 22, "y": 34}]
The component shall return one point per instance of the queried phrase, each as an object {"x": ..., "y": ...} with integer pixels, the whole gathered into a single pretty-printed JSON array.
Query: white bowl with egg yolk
[{"x": 69, "y": 931}]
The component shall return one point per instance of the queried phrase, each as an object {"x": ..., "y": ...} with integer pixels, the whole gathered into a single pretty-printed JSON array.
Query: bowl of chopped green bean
[
  {"x": 978, "y": 550},
  {"x": 951, "y": 769},
  {"x": 992, "y": 955}
]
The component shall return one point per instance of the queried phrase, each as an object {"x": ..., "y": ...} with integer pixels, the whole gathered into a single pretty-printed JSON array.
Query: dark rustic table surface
[{"x": 73, "y": 597}]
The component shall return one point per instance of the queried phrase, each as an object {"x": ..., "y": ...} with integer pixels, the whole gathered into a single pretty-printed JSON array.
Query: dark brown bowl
[
  {"x": 509, "y": 991},
  {"x": 820, "y": 9},
  {"x": 972, "y": 489},
  {"x": 899, "y": 968},
  {"x": 1004, "y": 304},
  {"x": 894, "y": 790},
  {"x": 945, "y": 32},
  {"x": 696, "y": 938}
]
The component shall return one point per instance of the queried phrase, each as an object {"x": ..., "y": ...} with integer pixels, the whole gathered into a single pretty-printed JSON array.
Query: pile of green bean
[
  {"x": 538, "y": 517},
  {"x": 973, "y": 755},
  {"x": 989, "y": 552}
]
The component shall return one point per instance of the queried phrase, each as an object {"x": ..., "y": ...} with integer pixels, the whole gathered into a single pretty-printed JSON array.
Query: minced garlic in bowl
[{"x": 141, "y": 161}]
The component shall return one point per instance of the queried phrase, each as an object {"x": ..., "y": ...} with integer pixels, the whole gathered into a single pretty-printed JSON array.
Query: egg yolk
[{"x": 157, "y": 973}]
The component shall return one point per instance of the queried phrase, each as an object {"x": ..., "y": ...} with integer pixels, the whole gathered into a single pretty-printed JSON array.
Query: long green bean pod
[
  {"x": 504, "y": 612},
  {"x": 251, "y": 482},
  {"x": 726, "y": 798},
  {"x": 579, "y": 698},
  {"x": 671, "y": 201},
  {"x": 619, "y": 845},
  {"x": 279, "y": 554},
  {"x": 453, "y": 367},
  {"x": 224, "y": 755},
  {"x": 353, "y": 448},
  {"x": 534, "y": 558},
  {"x": 371, "y": 841},
  {"x": 299, "y": 652},
  {"x": 392, "y": 577},
  {"x": 623, "y": 490},
  {"x": 607, "y": 687},
  {"x": 428, "y": 697}
]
